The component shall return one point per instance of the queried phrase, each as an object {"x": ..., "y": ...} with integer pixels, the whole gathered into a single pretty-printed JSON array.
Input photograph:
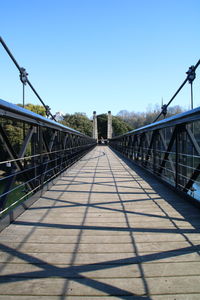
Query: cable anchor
[
  {"x": 48, "y": 110},
  {"x": 191, "y": 75},
  {"x": 164, "y": 109},
  {"x": 23, "y": 76}
]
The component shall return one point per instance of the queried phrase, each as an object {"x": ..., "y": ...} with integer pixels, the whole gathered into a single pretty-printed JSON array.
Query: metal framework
[
  {"x": 169, "y": 149},
  {"x": 34, "y": 150}
]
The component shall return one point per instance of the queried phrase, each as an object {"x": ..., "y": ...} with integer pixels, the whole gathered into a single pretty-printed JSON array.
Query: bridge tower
[
  {"x": 95, "y": 130},
  {"x": 109, "y": 125}
]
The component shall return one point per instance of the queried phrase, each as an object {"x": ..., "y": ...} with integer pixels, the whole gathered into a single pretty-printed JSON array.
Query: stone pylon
[
  {"x": 95, "y": 130},
  {"x": 109, "y": 126}
]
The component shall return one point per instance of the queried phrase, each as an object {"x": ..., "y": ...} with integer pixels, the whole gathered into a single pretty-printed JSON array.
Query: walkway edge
[{"x": 9, "y": 217}]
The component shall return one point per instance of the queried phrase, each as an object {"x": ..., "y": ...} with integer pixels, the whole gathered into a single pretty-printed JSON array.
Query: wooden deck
[{"x": 104, "y": 231}]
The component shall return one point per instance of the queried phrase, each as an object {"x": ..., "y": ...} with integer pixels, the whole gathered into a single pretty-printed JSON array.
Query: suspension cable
[
  {"x": 190, "y": 78},
  {"x": 24, "y": 78}
]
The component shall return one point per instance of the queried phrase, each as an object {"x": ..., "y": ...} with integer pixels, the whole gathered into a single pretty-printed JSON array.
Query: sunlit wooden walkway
[{"x": 104, "y": 231}]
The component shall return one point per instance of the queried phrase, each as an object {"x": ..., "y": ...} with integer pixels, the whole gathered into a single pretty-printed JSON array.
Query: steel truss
[
  {"x": 45, "y": 149},
  {"x": 169, "y": 149}
]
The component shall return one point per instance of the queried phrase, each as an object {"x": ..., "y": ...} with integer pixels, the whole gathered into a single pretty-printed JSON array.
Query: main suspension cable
[
  {"x": 24, "y": 78},
  {"x": 190, "y": 78}
]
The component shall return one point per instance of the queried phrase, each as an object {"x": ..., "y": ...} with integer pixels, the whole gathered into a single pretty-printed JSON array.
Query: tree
[
  {"x": 102, "y": 126},
  {"x": 139, "y": 119},
  {"x": 118, "y": 125},
  {"x": 15, "y": 130},
  {"x": 78, "y": 121},
  {"x": 38, "y": 109}
]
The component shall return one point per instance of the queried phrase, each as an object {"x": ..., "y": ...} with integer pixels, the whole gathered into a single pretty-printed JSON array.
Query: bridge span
[
  {"x": 105, "y": 230},
  {"x": 87, "y": 223}
]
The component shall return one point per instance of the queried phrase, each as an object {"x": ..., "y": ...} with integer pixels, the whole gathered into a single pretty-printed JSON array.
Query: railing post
[
  {"x": 33, "y": 153},
  {"x": 41, "y": 158},
  {"x": 177, "y": 157}
]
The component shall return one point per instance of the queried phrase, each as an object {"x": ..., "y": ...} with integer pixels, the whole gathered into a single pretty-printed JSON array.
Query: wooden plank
[{"x": 103, "y": 230}]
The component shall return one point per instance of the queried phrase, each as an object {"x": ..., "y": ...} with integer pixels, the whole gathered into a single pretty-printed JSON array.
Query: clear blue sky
[{"x": 100, "y": 54}]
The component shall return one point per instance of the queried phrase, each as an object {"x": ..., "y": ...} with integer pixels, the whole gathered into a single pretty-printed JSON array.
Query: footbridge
[
  {"x": 89, "y": 222},
  {"x": 82, "y": 221}
]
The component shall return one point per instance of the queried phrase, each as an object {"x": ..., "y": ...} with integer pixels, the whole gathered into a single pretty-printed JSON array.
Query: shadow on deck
[{"x": 106, "y": 229}]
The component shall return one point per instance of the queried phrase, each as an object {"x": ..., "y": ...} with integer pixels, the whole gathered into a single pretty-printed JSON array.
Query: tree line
[
  {"x": 123, "y": 122},
  {"x": 139, "y": 119},
  {"x": 82, "y": 123}
]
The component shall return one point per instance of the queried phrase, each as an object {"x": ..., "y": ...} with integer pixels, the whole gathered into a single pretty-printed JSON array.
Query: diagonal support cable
[
  {"x": 24, "y": 78},
  {"x": 190, "y": 77}
]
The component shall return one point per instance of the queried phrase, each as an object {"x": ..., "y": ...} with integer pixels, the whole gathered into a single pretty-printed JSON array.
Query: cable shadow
[
  {"x": 94, "y": 157},
  {"x": 166, "y": 194},
  {"x": 74, "y": 272},
  {"x": 155, "y": 256},
  {"x": 96, "y": 205},
  {"x": 185, "y": 208},
  {"x": 104, "y": 183},
  {"x": 104, "y": 192},
  {"x": 106, "y": 228}
]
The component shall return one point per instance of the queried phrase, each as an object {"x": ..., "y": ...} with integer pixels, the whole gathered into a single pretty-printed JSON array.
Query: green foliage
[
  {"x": 122, "y": 123},
  {"x": 38, "y": 109},
  {"x": 14, "y": 132},
  {"x": 78, "y": 121},
  {"x": 119, "y": 126},
  {"x": 13, "y": 196},
  {"x": 102, "y": 126},
  {"x": 15, "y": 135},
  {"x": 139, "y": 119}
]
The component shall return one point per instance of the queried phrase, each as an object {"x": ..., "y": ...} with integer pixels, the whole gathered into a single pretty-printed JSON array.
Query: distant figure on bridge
[{"x": 102, "y": 140}]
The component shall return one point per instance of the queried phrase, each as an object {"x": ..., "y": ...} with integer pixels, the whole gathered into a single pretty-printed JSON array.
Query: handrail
[
  {"x": 188, "y": 116},
  {"x": 169, "y": 149},
  {"x": 45, "y": 150},
  {"x": 15, "y": 111}
]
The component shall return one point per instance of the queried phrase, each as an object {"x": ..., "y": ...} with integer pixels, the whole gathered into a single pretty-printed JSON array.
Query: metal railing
[
  {"x": 169, "y": 149},
  {"x": 33, "y": 151}
]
